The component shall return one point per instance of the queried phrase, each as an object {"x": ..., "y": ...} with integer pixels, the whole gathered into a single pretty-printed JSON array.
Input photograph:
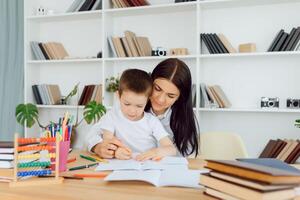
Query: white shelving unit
[{"x": 245, "y": 77}]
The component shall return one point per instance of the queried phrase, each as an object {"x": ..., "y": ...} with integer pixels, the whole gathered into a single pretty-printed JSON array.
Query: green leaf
[
  {"x": 26, "y": 114},
  {"x": 93, "y": 112}
]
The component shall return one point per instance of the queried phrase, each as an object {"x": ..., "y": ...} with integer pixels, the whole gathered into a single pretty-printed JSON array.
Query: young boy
[{"x": 139, "y": 131}]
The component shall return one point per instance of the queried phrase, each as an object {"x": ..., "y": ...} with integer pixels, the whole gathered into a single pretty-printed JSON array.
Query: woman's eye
[
  {"x": 171, "y": 97},
  {"x": 126, "y": 104},
  {"x": 157, "y": 88}
]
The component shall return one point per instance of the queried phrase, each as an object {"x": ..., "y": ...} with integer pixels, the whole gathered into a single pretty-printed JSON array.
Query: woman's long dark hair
[{"x": 182, "y": 122}]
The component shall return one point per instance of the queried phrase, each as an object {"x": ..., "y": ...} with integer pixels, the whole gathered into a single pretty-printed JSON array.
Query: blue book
[{"x": 270, "y": 162}]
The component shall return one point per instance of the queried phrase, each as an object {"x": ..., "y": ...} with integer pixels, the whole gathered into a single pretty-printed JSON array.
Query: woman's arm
[{"x": 166, "y": 149}]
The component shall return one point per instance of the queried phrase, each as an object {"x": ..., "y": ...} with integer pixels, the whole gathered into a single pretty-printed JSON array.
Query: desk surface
[{"x": 98, "y": 189}]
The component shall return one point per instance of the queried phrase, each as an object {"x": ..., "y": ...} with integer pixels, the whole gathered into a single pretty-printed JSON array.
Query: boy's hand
[
  {"x": 153, "y": 154},
  {"x": 123, "y": 153}
]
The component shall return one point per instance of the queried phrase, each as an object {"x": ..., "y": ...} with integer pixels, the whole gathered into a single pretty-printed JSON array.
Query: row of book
[
  {"x": 48, "y": 50},
  {"x": 250, "y": 179},
  {"x": 217, "y": 43},
  {"x": 91, "y": 93},
  {"x": 85, "y": 5},
  {"x": 46, "y": 94},
  {"x": 213, "y": 97},
  {"x": 285, "y": 150},
  {"x": 286, "y": 41},
  {"x": 130, "y": 45},
  {"x": 129, "y": 3}
]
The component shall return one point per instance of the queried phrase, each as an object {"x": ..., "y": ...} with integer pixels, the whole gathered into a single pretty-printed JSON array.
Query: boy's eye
[
  {"x": 139, "y": 106},
  {"x": 126, "y": 104}
]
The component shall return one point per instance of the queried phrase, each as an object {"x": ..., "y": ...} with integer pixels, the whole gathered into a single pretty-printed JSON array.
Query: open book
[
  {"x": 182, "y": 178},
  {"x": 178, "y": 163}
]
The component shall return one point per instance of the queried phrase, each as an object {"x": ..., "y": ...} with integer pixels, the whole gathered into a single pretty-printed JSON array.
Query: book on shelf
[
  {"x": 129, "y": 3},
  {"x": 250, "y": 179},
  {"x": 284, "y": 150},
  {"x": 275, "y": 40},
  {"x": 180, "y": 1},
  {"x": 216, "y": 44},
  {"x": 91, "y": 93},
  {"x": 48, "y": 50},
  {"x": 46, "y": 94},
  {"x": 85, "y": 5},
  {"x": 213, "y": 97},
  {"x": 130, "y": 45},
  {"x": 284, "y": 41}
]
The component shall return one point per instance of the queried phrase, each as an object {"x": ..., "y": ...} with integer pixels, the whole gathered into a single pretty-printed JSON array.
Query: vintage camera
[
  {"x": 267, "y": 102},
  {"x": 159, "y": 51},
  {"x": 293, "y": 103}
]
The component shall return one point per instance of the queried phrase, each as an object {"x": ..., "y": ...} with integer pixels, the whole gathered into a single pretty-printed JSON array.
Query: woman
[{"x": 171, "y": 102}]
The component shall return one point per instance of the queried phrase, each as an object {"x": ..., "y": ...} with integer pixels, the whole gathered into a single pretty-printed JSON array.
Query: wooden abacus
[{"x": 44, "y": 168}]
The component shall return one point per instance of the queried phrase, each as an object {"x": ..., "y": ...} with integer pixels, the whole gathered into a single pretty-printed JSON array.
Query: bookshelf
[{"x": 244, "y": 77}]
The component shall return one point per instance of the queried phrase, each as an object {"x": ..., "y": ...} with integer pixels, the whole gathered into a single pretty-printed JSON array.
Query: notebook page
[
  {"x": 150, "y": 176},
  {"x": 182, "y": 178}
]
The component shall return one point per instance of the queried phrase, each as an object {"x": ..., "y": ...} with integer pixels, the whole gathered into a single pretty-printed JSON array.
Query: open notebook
[
  {"x": 182, "y": 178},
  {"x": 174, "y": 163}
]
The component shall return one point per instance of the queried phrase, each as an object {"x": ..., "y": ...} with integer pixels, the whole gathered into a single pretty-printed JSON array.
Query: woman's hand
[
  {"x": 123, "y": 153},
  {"x": 107, "y": 148}
]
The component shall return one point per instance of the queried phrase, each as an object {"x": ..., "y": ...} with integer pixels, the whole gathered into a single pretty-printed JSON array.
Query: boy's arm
[{"x": 166, "y": 149}]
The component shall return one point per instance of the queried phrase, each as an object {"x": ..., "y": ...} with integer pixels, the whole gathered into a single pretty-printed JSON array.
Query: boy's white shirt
[{"x": 139, "y": 136}]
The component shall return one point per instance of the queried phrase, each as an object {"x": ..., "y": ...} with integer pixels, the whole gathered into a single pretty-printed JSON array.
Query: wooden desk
[{"x": 98, "y": 189}]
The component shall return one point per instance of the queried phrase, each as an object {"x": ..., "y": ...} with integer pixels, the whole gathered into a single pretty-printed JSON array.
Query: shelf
[
  {"x": 254, "y": 110},
  {"x": 92, "y": 60},
  {"x": 216, "y": 4},
  {"x": 256, "y": 54},
  {"x": 149, "y": 58},
  {"x": 153, "y": 9},
  {"x": 87, "y": 15},
  {"x": 60, "y": 106}
]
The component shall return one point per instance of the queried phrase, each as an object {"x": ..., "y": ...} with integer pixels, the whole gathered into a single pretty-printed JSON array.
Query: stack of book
[
  {"x": 6, "y": 154},
  {"x": 213, "y": 97},
  {"x": 130, "y": 45},
  {"x": 285, "y": 150},
  {"x": 85, "y": 5},
  {"x": 216, "y": 44},
  {"x": 46, "y": 94},
  {"x": 250, "y": 179},
  {"x": 286, "y": 41},
  {"x": 129, "y": 3},
  {"x": 48, "y": 50},
  {"x": 91, "y": 93}
]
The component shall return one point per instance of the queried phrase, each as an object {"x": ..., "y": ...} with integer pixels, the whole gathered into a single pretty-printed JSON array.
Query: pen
[
  {"x": 99, "y": 175},
  {"x": 88, "y": 158},
  {"x": 99, "y": 159},
  {"x": 71, "y": 160},
  {"x": 83, "y": 166}
]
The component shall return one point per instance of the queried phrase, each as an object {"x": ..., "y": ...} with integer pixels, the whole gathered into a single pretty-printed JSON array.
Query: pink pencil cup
[{"x": 64, "y": 147}]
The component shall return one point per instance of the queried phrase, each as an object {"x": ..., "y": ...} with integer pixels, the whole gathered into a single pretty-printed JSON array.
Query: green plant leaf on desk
[
  {"x": 93, "y": 112},
  {"x": 27, "y": 113}
]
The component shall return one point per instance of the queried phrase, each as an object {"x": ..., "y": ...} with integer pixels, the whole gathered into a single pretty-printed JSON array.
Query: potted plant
[
  {"x": 28, "y": 114},
  {"x": 112, "y": 85}
]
